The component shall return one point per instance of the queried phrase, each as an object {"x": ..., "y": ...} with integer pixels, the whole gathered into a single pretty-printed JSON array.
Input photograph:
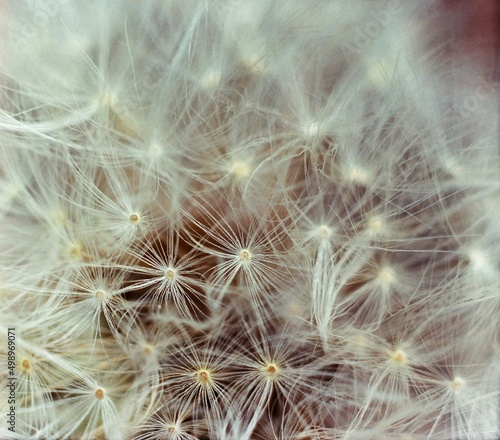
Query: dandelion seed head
[{"x": 219, "y": 214}]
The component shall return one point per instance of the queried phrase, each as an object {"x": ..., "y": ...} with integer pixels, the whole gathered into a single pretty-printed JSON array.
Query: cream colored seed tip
[
  {"x": 457, "y": 383},
  {"x": 245, "y": 255},
  {"x": 172, "y": 429},
  {"x": 100, "y": 295},
  {"x": 170, "y": 273},
  {"x": 254, "y": 63},
  {"x": 358, "y": 175},
  {"x": 324, "y": 232},
  {"x": 100, "y": 393},
  {"x": 271, "y": 369},
  {"x": 76, "y": 250},
  {"x": 148, "y": 349},
  {"x": 399, "y": 357},
  {"x": 453, "y": 168},
  {"x": 240, "y": 169},
  {"x": 204, "y": 376},
  {"x": 155, "y": 151},
  {"x": 312, "y": 129},
  {"x": 375, "y": 224},
  {"x": 134, "y": 218},
  {"x": 26, "y": 366},
  {"x": 210, "y": 79},
  {"x": 386, "y": 275},
  {"x": 107, "y": 99}
]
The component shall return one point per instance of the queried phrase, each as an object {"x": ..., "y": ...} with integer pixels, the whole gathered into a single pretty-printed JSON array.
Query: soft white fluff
[{"x": 246, "y": 220}]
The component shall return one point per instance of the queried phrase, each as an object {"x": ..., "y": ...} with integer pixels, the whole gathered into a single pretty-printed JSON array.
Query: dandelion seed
[
  {"x": 168, "y": 276},
  {"x": 172, "y": 422},
  {"x": 248, "y": 257}
]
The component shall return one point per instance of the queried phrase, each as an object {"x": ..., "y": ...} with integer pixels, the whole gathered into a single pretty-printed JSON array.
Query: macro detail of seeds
[{"x": 230, "y": 220}]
